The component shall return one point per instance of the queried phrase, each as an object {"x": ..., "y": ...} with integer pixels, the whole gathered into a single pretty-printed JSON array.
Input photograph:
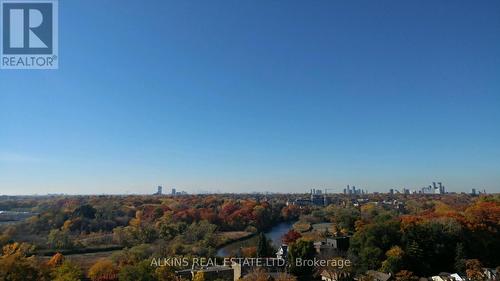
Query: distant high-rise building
[
  {"x": 352, "y": 190},
  {"x": 173, "y": 191},
  {"x": 441, "y": 188},
  {"x": 473, "y": 191},
  {"x": 433, "y": 189},
  {"x": 159, "y": 191}
]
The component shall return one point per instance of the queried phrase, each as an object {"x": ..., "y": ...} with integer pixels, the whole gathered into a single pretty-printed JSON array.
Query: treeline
[
  {"x": 452, "y": 233},
  {"x": 144, "y": 226},
  {"x": 441, "y": 237},
  {"x": 90, "y": 221}
]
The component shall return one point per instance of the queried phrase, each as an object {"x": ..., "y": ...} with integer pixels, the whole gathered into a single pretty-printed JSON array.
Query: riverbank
[
  {"x": 274, "y": 234},
  {"x": 79, "y": 251},
  {"x": 8, "y": 217},
  {"x": 229, "y": 237}
]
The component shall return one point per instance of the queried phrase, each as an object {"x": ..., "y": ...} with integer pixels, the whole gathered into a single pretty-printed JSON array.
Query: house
[
  {"x": 210, "y": 273},
  {"x": 323, "y": 248},
  {"x": 378, "y": 276},
  {"x": 282, "y": 252},
  {"x": 339, "y": 243},
  {"x": 439, "y": 278},
  {"x": 332, "y": 276},
  {"x": 276, "y": 275},
  {"x": 444, "y": 276},
  {"x": 490, "y": 274},
  {"x": 332, "y": 245},
  {"x": 457, "y": 277}
]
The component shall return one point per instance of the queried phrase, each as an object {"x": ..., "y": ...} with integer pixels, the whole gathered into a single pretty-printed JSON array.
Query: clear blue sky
[{"x": 258, "y": 96}]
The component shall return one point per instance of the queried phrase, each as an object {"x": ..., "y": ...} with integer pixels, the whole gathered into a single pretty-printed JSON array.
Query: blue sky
[{"x": 243, "y": 96}]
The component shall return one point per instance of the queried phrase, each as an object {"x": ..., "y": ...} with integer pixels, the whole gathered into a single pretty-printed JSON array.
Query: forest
[{"x": 115, "y": 237}]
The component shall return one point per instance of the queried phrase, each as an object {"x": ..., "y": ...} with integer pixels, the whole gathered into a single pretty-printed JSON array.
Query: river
[
  {"x": 9, "y": 217},
  {"x": 274, "y": 234}
]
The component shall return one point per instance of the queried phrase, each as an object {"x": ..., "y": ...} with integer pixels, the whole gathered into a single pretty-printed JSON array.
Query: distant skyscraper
[
  {"x": 159, "y": 191},
  {"x": 173, "y": 191},
  {"x": 441, "y": 188},
  {"x": 434, "y": 189}
]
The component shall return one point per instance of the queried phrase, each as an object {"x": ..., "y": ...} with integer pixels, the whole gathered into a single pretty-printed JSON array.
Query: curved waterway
[
  {"x": 274, "y": 234},
  {"x": 9, "y": 217}
]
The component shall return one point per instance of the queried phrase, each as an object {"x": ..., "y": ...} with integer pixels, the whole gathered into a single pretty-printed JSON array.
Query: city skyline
[
  {"x": 348, "y": 189},
  {"x": 259, "y": 96}
]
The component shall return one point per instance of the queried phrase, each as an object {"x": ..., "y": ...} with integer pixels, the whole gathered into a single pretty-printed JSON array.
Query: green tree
[
  {"x": 369, "y": 258},
  {"x": 167, "y": 231},
  {"x": 59, "y": 239},
  {"x": 262, "y": 246},
  {"x": 85, "y": 211},
  {"x": 165, "y": 273},
  {"x": 141, "y": 271},
  {"x": 431, "y": 245},
  {"x": 344, "y": 218},
  {"x": 460, "y": 258},
  {"x": 132, "y": 255},
  {"x": 67, "y": 272},
  {"x": 369, "y": 243},
  {"x": 125, "y": 236},
  {"x": 147, "y": 234},
  {"x": 415, "y": 255},
  {"x": 394, "y": 260},
  {"x": 298, "y": 252}
]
